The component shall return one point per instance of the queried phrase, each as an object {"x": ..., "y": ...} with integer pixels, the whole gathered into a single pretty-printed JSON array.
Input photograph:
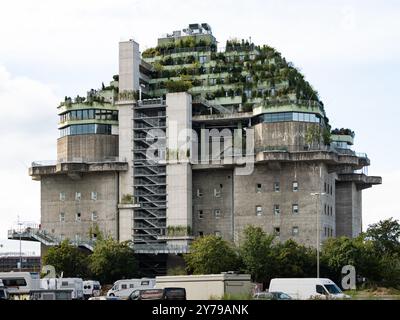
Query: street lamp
[{"x": 318, "y": 226}]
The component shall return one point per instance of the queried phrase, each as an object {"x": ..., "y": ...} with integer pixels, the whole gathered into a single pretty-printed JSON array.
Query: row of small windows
[
  {"x": 277, "y": 232},
  {"x": 78, "y": 217},
  {"x": 276, "y": 187},
  {"x": 78, "y": 196},
  {"x": 277, "y": 209},
  {"x": 287, "y": 116},
  {"x": 89, "y": 114},
  {"x": 328, "y": 232},
  {"x": 328, "y": 188},
  {"x": 92, "y": 128},
  {"x": 328, "y": 210}
]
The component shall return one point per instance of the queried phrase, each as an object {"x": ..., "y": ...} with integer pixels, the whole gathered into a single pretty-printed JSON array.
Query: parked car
[
  {"x": 307, "y": 288},
  {"x": 159, "y": 294},
  {"x": 105, "y": 298},
  {"x": 272, "y": 296}
]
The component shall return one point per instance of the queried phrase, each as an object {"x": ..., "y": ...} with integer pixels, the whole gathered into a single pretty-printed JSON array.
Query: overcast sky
[{"x": 348, "y": 50}]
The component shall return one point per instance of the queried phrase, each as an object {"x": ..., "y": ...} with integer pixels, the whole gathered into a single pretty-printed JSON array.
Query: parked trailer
[
  {"x": 48, "y": 294},
  {"x": 204, "y": 287},
  {"x": 19, "y": 284}
]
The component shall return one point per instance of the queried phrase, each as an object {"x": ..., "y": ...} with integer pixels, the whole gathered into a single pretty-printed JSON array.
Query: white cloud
[{"x": 28, "y": 131}]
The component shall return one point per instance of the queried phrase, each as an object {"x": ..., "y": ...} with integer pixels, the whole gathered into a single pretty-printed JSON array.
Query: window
[
  {"x": 217, "y": 233},
  {"x": 295, "y": 209},
  {"x": 199, "y": 193},
  {"x": 217, "y": 213},
  {"x": 320, "y": 289},
  {"x": 124, "y": 286},
  {"x": 325, "y": 211},
  {"x": 93, "y": 195},
  {"x": 200, "y": 214},
  {"x": 77, "y": 237},
  {"x": 62, "y": 217},
  {"x": 277, "y": 209},
  {"x": 62, "y": 196},
  {"x": 277, "y": 187},
  {"x": 202, "y": 59},
  {"x": 62, "y": 236},
  {"x": 325, "y": 187},
  {"x": 295, "y": 231},
  {"x": 94, "y": 216},
  {"x": 145, "y": 283},
  {"x": 77, "y": 196},
  {"x": 258, "y": 187},
  {"x": 78, "y": 217},
  {"x": 213, "y": 81},
  {"x": 277, "y": 231},
  {"x": 217, "y": 193},
  {"x": 201, "y": 233},
  {"x": 295, "y": 186},
  {"x": 131, "y": 285},
  {"x": 259, "y": 210}
]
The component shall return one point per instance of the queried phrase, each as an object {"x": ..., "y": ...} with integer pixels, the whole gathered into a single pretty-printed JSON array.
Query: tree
[
  {"x": 256, "y": 253},
  {"x": 112, "y": 260},
  {"x": 385, "y": 236},
  {"x": 294, "y": 260},
  {"x": 211, "y": 255},
  {"x": 69, "y": 260},
  {"x": 178, "y": 86}
]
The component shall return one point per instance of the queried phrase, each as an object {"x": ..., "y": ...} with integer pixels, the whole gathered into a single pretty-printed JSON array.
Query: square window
[
  {"x": 93, "y": 195},
  {"x": 78, "y": 217},
  {"x": 199, "y": 193},
  {"x": 277, "y": 209},
  {"x": 258, "y": 187},
  {"x": 277, "y": 187},
  {"x": 217, "y": 213},
  {"x": 94, "y": 216},
  {"x": 295, "y": 231},
  {"x": 295, "y": 209},
  {"x": 62, "y": 217},
  {"x": 277, "y": 231},
  {"x": 295, "y": 186},
  {"x": 62, "y": 196},
  {"x": 259, "y": 210},
  {"x": 200, "y": 214},
  {"x": 77, "y": 196},
  {"x": 201, "y": 233},
  {"x": 217, "y": 193}
]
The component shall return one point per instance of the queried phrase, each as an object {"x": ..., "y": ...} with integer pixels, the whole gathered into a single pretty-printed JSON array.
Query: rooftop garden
[
  {"x": 242, "y": 70},
  {"x": 343, "y": 132}
]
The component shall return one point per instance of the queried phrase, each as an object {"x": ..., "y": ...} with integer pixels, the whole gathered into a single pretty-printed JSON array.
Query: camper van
[
  {"x": 307, "y": 288},
  {"x": 123, "y": 288},
  {"x": 19, "y": 284},
  {"x": 91, "y": 289}
]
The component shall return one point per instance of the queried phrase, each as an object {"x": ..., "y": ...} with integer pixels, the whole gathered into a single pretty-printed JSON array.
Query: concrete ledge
[
  {"x": 361, "y": 180},
  {"x": 72, "y": 167}
]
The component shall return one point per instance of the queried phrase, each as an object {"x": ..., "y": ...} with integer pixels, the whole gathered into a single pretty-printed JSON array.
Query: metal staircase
[{"x": 149, "y": 175}]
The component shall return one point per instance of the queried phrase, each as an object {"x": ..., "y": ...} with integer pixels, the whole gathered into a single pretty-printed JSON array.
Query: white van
[
  {"x": 307, "y": 288},
  {"x": 76, "y": 284},
  {"x": 20, "y": 283},
  {"x": 91, "y": 288},
  {"x": 123, "y": 288}
]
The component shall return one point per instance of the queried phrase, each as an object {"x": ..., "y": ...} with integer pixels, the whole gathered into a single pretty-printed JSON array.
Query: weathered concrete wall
[
  {"x": 348, "y": 209},
  {"x": 105, "y": 184},
  {"x": 88, "y": 147},
  {"x": 208, "y": 182},
  {"x": 129, "y": 60},
  {"x": 179, "y": 171},
  {"x": 246, "y": 198},
  {"x": 281, "y": 133}
]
